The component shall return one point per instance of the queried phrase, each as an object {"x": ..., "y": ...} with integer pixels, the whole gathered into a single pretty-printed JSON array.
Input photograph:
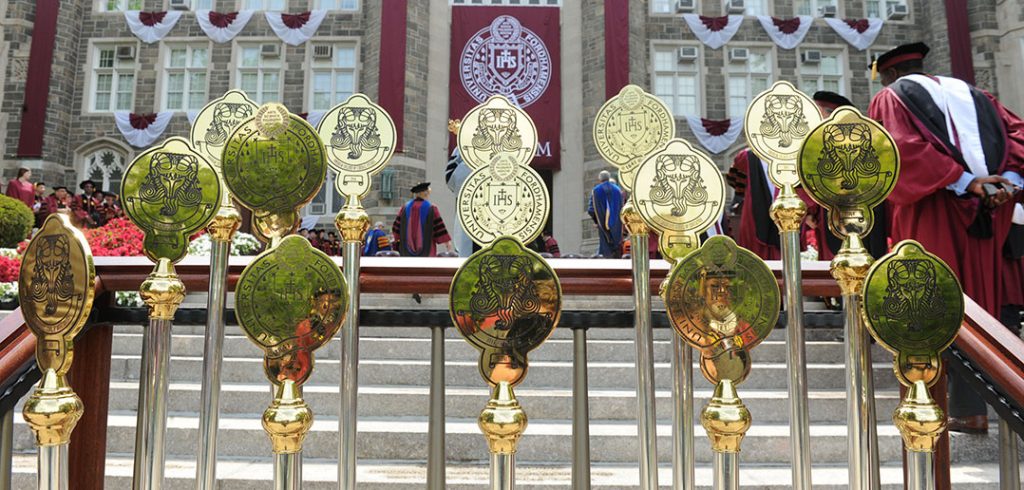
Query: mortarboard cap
[
  {"x": 899, "y": 54},
  {"x": 422, "y": 186},
  {"x": 831, "y": 99}
]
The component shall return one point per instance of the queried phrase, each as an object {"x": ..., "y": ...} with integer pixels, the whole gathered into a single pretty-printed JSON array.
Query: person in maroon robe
[
  {"x": 39, "y": 204},
  {"x": 86, "y": 205},
  {"x": 418, "y": 227},
  {"x": 754, "y": 193},
  {"x": 877, "y": 241},
  {"x": 961, "y": 157},
  {"x": 21, "y": 189},
  {"x": 61, "y": 201}
]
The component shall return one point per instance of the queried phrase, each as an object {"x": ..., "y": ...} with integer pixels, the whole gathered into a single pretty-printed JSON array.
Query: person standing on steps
[{"x": 418, "y": 228}]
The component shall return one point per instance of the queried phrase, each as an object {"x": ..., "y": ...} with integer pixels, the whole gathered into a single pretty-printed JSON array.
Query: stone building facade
[{"x": 81, "y": 139}]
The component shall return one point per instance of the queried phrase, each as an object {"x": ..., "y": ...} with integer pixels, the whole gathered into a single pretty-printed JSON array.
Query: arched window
[{"x": 105, "y": 166}]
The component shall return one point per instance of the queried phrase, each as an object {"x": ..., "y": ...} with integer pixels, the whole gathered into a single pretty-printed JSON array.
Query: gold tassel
[{"x": 874, "y": 70}]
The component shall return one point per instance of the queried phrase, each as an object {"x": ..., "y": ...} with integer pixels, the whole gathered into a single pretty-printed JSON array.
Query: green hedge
[{"x": 16, "y": 221}]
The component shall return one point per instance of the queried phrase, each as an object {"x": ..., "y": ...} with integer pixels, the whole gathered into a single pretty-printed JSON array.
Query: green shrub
[{"x": 16, "y": 221}]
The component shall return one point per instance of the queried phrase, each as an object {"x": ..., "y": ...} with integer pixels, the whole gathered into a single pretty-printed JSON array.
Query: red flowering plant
[
  {"x": 118, "y": 238},
  {"x": 9, "y": 268}
]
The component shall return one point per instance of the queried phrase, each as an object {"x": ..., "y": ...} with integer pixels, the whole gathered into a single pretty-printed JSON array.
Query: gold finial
[
  {"x": 162, "y": 291},
  {"x": 288, "y": 419},
  {"x": 634, "y": 222},
  {"x": 53, "y": 410},
  {"x": 725, "y": 418},
  {"x": 503, "y": 420},
  {"x": 919, "y": 419},
  {"x": 352, "y": 221},
  {"x": 850, "y": 266},
  {"x": 454, "y": 125},
  {"x": 225, "y": 224},
  {"x": 788, "y": 210}
]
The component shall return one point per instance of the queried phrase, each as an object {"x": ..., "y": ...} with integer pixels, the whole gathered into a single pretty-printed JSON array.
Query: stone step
[
  {"x": 767, "y": 406},
  {"x": 456, "y": 349},
  {"x": 404, "y": 438},
  {"x": 557, "y": 374},
  {"x": 321, "y": 474}
]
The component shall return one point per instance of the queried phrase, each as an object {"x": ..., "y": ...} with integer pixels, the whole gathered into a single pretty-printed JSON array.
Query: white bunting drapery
[
  {"x": 222, "y": 27},
  {"x": 860, "y": 33},
  {"x": 714, "y": 32},
  {"x": 786, "y": 33},
  {"x": 141, "y": 130},
  {"x": 295, "y": 29},
  {"x": 716, "y": 136},
  {"x": 151, "y": 27}
]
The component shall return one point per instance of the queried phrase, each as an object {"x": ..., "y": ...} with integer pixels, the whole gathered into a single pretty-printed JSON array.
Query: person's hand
[
  {"x": 812, "y": 221},
  {"x": 976, "y": 187}
]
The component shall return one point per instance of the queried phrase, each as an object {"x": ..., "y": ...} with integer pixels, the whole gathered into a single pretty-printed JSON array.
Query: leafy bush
[{"x": 16, "y": 221}]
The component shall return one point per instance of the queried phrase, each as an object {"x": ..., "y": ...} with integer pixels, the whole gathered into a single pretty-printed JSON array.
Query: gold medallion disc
[
  {"x": 776, "y": 124},
  {"x": 497, "y": 129},
  {"x": 628, "y": 127}
]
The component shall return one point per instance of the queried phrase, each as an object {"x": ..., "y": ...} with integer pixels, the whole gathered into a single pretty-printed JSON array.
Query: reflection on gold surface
[
  {"x": 776, "y": 124},
  {"x": 505, "y": 300},
  {"x": 630, "y": 126}
]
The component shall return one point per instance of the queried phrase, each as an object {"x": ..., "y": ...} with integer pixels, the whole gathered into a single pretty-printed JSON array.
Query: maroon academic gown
[
  {"x": 754, "y": 211},
  {"x": 924, "y": 210},
  {"x": 22, "y": 191}
]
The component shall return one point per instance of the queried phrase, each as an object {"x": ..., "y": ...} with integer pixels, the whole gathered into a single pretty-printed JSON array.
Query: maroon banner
[
  {"x": 37, "y": 83},
  {"x": 515, "y": 52},
  {"x": 392, "y": 63},
  {"x": 616, "y": 46}
]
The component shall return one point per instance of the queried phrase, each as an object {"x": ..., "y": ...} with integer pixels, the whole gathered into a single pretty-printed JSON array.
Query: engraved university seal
[
  {"x": 506, "y": 59},
  {"x": 630, "y": 126}
]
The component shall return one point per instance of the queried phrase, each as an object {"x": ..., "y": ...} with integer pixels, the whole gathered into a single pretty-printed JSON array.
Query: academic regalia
[
  {"x": 87, "y": 209},
  {"x": 551, "y": 246},
  {"x": 419, "y": 223},
  {"x": 605, "y": 208},
  {"x": 958, "y": 229},
  {"x": 22, "y": 191},
  {"x": 376, "y": 240},
  {"x": 757, "y": 232},
  {"x": 877, "y": 241}
]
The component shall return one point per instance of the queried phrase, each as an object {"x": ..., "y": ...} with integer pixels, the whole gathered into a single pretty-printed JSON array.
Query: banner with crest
[{"x": 515, "y": 52}]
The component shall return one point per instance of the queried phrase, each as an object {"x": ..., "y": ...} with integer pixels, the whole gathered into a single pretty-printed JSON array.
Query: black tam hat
[
  {"x": 899, "y": 54},
  {"x": 831, "y": 98},
  {"x": 422, "y": 186},
  {"x": 81, "y": 185}
]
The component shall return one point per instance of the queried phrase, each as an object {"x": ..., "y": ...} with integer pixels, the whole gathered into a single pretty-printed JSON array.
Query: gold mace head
[
  {"x": 53, "y": 410},
  {"x": 352, "y": 221},
  {"x": 454, "y": 125},
  {"x": 850, "y": 266},
  {"x": 633, "y": 221},
  {"x": 920, "y": 420},
  {"x": 725, "y": 418},
  {"x": 162, "y": 291},
  {"x": 288, "y": 419},
  {"x": 788, "y": 210},
  {"x": 503, "y": 420},
  {"x": 225, "y": 223}
]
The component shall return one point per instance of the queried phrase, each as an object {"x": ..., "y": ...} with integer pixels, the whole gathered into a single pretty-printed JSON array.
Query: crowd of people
[{"x": 91, "y": 208}]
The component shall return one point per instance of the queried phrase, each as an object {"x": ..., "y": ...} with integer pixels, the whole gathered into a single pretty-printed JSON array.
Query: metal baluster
[
  {"x": 1009, "y": 462},
  {"x": 436, "y": 424},
  {"x": 6, "y": 448},
  {"x": 347, "y": 416},
  {"x": 646, "y": 411},
  {"x": 682, "y": 416},
  {"x": 580, "y": 412},
  {"x": 727, "y": 471}
]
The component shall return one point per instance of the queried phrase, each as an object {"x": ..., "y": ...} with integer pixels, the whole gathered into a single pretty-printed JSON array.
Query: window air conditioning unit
[
  {"x": 323, "y": 51},
  {"x": 687, "y": 53},
  {"x": 126, "y": 52},
  {"x": 180, "y": 4},
  {"x": 898, "y": 11},
  {"x": 270, "y": 50},
  {"x": 828, "y": 10},
  {"x": 684, "y": 6},
  {"x": 811, "y": 57},
  {"x": 739, "y": 54},
  {"x": 737, "y": 7}
]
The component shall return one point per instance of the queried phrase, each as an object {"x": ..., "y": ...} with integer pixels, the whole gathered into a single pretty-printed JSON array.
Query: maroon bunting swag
[
  {"x": 295, "y": 29},
  {"x": 717, "y": 136},
  {"x": 860, "y": 33},
  {"x": 141, "y": 130},
  {"x": 787, "y": 33},
  {"x": 222, "y": 27},
  {"x": 515, "y": 52},
  {"x": 151, "y": 27},
  {"x": 714, "y": 31}
]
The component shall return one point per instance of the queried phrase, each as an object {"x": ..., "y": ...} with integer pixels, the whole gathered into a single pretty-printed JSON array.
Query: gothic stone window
[{"x": 105, "y": 167}]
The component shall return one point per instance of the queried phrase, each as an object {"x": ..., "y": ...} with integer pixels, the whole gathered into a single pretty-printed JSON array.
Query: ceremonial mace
[
  {"x": 628, "y": 127},
  {"x": 505, "y": 299},
  {"x": 55, "y": 288},
  {"x": 359, "y": 138},
  {"x": 776, "y": 123},
  {"x": 680, "y": 193},
  {"x": 723, "y": 300},
  {"x": 170, "y": 192},
  {"x": 292, "y": 298},
  {"x": 849, "y": 164},
  {"x": 913, "y": 306},
  {"x": 215, "y": 122}
]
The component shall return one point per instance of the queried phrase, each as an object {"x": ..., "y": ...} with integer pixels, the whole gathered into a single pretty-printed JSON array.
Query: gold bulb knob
[
  {"x": 725, "y": 418},
  {"x": 850, "y": 266},
  {"x": 225, "y": 223},
  {"x": 352, "y": 221},
  {"x": 503, "y": 420},
  {"x": 919, "y": 419},
  {"x": 788, "y": 210},
  {"x": 162, "y": 291},
  {"x": 632, "y": 220},
  {"x": 288, "y": 419},
  {"x": 53, "y": 410}
]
